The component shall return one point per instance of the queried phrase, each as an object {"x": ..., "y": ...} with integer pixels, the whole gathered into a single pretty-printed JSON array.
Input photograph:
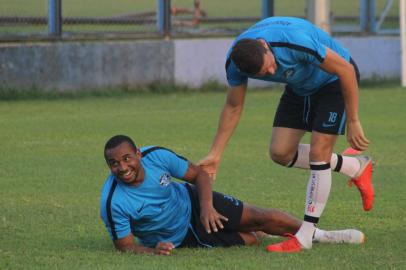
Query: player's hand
[
  {"x": 163, "y": 248},
  {"x": 211, "y": 219},
  {"x": 210, "y": 165},
  {"x": 356, "y": 137}
]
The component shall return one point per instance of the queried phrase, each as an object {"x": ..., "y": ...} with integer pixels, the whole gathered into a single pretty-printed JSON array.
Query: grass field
[{"x": 52, "y": 171}]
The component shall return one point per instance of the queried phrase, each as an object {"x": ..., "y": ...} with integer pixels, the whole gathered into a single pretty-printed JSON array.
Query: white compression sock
[
  {"x": 305, "y": 234},
  {"x": 344, "y": 164},
  {"x": 318, "y": 235},
  {"x": 318, "y": 190}
]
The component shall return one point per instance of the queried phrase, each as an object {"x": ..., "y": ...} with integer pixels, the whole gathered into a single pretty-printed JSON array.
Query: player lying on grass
[{"x": 140, "y": 199}]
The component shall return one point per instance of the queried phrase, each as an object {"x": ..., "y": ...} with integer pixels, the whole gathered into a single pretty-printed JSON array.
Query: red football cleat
[
  {"x": 288, "y": 246},
  {"x": 351, "y": 151},
  {"x": 363, "y": 181}
]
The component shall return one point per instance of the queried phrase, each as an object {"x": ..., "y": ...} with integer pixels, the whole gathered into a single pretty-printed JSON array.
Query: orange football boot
[
  {"x": 363, "y": 181},
  {"x": 289, "y": 246}
]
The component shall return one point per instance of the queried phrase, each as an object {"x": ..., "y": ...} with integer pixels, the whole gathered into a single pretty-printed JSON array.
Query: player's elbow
[{"x": 347, "y": 70}]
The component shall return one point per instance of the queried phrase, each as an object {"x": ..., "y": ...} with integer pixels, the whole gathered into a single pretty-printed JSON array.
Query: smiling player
[{"x": 140, "y": 198}]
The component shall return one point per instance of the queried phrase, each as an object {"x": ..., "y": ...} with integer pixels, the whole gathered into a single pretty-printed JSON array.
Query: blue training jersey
[
  {"x": 299, "y": 48},
  {"x": 158, "y": 210}
]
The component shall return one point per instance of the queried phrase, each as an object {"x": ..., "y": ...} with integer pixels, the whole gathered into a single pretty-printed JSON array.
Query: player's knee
[
  {"x": 321, "y": 153},
  {"x": 280, "y": 156}
]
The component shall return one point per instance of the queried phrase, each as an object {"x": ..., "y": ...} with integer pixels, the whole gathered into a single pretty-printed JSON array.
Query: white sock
[
  {"x": 347, "y": 165},
  {"x": 305, "y": 234},
  {"x": 318, "y": 190},
  {"x": 318, "y": 235},
  {"x": 301, "y": 159},
  {"x": 350, "y": 166}
]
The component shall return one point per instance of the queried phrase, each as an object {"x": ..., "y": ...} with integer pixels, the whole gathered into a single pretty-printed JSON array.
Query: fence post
[
  {"x": 164, "y": 17},
  {"x": 55, "y": 17},
  {"x": 318, "y": 12},
  {"x": 402, "y": 18},
  {"x": 268, "y": 8},
  {"x": 367, "y": 16}
]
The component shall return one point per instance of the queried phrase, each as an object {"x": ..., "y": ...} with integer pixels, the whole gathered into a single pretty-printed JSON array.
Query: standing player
[{"x": 321, "y": 96}]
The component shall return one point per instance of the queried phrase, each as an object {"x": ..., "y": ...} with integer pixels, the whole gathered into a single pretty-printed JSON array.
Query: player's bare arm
[
  {"x": 229, "y": 119},
  {"x": 210, "y": 218},
  {"x": 127, "y": 244},
  {"x": 333, "y": 63}
]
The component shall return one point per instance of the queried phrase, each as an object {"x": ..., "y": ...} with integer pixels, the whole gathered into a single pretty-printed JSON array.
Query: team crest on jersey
[
  {"x": 288, "y": 73},
  {"x": 165, "y": 180}
]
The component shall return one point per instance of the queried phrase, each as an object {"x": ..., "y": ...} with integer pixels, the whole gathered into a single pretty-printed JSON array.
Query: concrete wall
[
  {"x": 375, "y": 56},
  {"x": 78, "y": 65},
  {"x": 70, "y": 66}
]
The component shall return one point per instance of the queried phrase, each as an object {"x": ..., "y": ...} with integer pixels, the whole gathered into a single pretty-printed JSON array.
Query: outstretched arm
[
  {"x": 333, "y": 63},
  {"x": 229, "y": 119},
  {"x": 210, "y": 218},
  {"x": 127, "y": 244}
]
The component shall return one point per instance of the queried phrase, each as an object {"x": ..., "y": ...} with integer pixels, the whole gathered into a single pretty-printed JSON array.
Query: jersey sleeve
[
  {"x": 234, "y": 76},
  {"x": 307, "y": 49},
  {"x": 115, "y": 220},
  {"x": 119, "y": 225},
  {"x": 175, "y": 164}
]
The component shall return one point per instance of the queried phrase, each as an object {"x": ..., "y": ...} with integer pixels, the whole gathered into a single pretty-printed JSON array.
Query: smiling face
[{"x": 125, "y": 163}]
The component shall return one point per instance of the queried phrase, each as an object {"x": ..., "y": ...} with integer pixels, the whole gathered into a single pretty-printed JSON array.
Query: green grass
[{"x": 52, "y": 171}]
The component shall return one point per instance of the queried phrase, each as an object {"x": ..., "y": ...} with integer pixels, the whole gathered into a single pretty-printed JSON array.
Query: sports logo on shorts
[
  {"x": 332, "y": 120},
  {"x": 165, "y": 180}
]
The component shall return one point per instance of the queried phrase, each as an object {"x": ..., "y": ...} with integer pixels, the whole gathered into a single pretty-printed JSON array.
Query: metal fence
[{"x": 84, "y": 19}]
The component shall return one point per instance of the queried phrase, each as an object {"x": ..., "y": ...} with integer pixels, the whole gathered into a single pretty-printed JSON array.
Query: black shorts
[
  {"x": 323, "y": 111},
  {"x": 227, "y": 206}
]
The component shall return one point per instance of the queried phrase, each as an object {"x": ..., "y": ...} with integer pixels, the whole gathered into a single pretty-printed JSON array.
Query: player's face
[
  {"x": 125, "y": 163},
  {"x": 269, "y": 67}
]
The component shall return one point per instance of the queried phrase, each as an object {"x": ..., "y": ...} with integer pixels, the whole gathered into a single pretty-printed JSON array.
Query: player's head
[
  {"x": 253, "y": 56},
  {"x": 124, "y": 159}
]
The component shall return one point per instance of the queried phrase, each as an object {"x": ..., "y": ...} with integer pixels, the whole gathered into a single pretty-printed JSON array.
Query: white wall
[
  {"x": 199, "y": 60},
  {"x": 375, "y": 56}
]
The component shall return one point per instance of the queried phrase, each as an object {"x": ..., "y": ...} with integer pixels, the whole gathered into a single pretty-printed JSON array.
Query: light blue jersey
[
  {"x": 299, "y": 48},
  {"x": 158, "y": 210}
]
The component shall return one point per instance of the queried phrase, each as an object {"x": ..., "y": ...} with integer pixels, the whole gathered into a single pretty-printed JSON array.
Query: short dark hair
[
  {"x": 247, "y": 54},
  {"x": 117, "y": 140}
]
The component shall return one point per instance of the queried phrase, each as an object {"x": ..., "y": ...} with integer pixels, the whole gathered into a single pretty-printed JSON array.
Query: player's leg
[
  {"x": 318, "y": 190},
  {"x": 270, "y": 221},
  {"x": 288, "y": 127},
  {"x": 250, "y": 238},
  {"x": 295, "y": 115},
  {"x": 319, "y": 184},
  {"x": 284, "y": 144},
  {"x": 323, "y": 112},
  {"x": 358, "y": 168},
  {"x": 276, "y": 222},
  {"x": 347, "y": 165}
]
